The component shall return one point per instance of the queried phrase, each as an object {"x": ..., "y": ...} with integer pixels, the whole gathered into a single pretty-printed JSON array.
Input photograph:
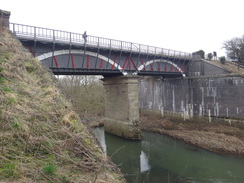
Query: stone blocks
[
  {"x": 4, "y": 19},
  {"x": 122, "y": 107}
]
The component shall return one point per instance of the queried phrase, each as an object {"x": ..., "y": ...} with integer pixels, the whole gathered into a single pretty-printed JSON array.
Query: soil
[{"x": 214, "y": 137}]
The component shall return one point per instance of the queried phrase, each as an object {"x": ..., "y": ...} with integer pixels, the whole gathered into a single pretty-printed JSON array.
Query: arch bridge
[{"x": 67, "y": 53}]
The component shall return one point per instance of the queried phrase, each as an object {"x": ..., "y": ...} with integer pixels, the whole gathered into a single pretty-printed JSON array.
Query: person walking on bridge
[{"x": 85, "y": 37}]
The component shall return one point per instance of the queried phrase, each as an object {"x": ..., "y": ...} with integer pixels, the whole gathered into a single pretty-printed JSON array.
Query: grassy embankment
[
  {"x": 42, "y": 139},
  {"x": 232, "y": 67}
]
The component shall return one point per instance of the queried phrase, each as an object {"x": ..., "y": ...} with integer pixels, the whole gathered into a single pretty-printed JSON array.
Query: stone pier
[{"x": 122, "y": 107}]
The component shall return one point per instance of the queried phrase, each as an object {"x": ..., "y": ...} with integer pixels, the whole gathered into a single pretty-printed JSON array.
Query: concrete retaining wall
[
  {"x": 203, "y": 68},
  {"x": 216, "y": 96}
]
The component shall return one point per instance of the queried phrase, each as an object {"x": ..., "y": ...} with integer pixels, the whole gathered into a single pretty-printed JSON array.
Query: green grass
[
  {"x": 11, "y": 101},
  {"x": 6, "y": 89},
  {"x": 8, "y": 170},
  {"x": 50, "y": 169},
  {"x": 2, "y": 80}
]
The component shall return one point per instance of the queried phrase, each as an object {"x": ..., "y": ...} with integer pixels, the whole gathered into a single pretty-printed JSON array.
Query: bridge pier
[{"x": 122, "y": 107}]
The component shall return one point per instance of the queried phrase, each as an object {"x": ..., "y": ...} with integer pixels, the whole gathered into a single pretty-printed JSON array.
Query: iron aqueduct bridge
[
  {"x": 66, "y": 53},
  {"x": 120, "y": 63}
]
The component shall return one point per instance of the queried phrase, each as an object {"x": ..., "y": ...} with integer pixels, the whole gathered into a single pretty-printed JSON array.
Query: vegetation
[
  {"x": 42, "y": 139},
  {"x": 86, "y": 92},
  {"x": 210, "y": 56},
  {"x": 201, "y": 53},
  {"x": 222, "y": 59},
  {"x": 235, "y": 49}
]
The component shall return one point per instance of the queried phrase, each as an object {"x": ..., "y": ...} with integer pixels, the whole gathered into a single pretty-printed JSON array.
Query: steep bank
[
  {"x": 217, "y": 138},
  {"x": 42, "y": 139}
]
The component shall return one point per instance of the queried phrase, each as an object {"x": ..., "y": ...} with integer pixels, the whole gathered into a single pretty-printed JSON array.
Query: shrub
[
  {"x": 210, "y": 56},
  {"x": 222, "y": 59}
]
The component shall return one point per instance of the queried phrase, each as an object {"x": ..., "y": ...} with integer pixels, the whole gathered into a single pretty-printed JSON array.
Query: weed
[
  {"x": 11, "y": 101},
  {"x": 6, "y": 89},
  {"x": 31, "y": 66},
  {"x": 64, "y": 179},
  {"x": 2, "y": 79},
  {"x": 4, "y": 57},
  {"x": 8, "y": 170},
  {"x": 47, "y": 144},
  {"x": 16, "y": 124},
  {"x": 50, "y": 169}
]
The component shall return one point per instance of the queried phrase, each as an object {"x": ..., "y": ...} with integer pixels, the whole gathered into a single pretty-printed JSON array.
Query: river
[{"x": 161, "y": 159}]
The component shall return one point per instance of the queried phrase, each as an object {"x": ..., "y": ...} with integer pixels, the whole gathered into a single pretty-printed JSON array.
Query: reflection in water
[
  {"x": 100, "y": 135},
  {"x": 144, "y": 165},
  {"x": 160, "y": 159}
]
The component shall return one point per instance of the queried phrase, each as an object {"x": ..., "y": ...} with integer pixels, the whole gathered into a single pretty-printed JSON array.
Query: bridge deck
[
  {"x": 64, "y": 37},
  {"x": 50, "y": 36}
]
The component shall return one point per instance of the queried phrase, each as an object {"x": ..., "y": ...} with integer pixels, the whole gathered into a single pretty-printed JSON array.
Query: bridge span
[
  {"x": 67, "y": 53},
  {"x": 121, "y": 63}
]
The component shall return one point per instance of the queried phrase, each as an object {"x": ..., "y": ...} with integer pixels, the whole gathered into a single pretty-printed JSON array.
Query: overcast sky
[{"x": 183, "y": 25}]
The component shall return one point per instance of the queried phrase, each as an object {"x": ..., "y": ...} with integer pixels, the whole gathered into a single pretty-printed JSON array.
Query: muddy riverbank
[{"x": 214, "y": 137}]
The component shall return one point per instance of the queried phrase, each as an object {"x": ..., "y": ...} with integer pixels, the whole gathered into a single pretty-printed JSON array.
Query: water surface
[{"x": 161, "y": 159}]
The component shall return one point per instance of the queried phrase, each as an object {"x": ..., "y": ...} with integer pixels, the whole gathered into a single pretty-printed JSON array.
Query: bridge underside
[{"x": 109, "y": 72}]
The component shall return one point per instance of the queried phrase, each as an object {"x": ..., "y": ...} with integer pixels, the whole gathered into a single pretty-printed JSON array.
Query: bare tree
[
  {"x": 235, "y": 49},
  {"x": 86, "y": 93}
]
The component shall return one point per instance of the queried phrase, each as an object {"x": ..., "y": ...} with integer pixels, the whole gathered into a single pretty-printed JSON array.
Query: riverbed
[{"x": 162, "y": 159}]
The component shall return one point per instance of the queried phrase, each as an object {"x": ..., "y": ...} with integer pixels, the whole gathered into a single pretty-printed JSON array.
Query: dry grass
[
  {"x": 41, "y": 138},
  {"x": 229, "y": 66},
  {"x": 216, "y": 142}
]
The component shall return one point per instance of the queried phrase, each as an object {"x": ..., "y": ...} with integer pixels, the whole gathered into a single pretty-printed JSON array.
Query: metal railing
[{"x": 45, "y": 34}]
